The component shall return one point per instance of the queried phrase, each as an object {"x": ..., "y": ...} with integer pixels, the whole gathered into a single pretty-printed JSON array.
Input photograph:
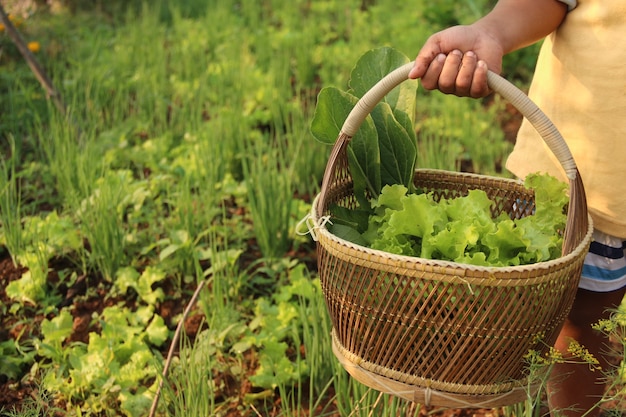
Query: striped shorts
[{"x": 605, "y": 265}]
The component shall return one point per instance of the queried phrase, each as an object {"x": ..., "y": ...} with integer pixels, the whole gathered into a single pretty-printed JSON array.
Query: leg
[{"x": 575, "y": 385}]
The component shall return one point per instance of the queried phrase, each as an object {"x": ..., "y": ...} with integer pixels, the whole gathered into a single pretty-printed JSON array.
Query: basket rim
[{"x": 318, "y": 229}]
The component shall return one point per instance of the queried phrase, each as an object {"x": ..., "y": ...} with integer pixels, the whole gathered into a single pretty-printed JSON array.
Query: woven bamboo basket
[{"x": 443, "y": 333}]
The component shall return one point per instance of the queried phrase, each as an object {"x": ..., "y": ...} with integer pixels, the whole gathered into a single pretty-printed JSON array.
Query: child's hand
[{"x": 456, "y": 60}]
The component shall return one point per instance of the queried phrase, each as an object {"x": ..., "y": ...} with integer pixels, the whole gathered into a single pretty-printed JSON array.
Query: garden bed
[{"x": 186, "y": 157}]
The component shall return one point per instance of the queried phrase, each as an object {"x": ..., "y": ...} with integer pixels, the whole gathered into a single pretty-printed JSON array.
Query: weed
[
  {"x": 10, "y": 204},
  {"x": 40, "y": 404}
]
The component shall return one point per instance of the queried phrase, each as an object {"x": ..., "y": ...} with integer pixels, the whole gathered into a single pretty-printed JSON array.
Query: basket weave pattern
[
  {"x": 444, "y": 325},
  {"x": 440, "y": 332}
]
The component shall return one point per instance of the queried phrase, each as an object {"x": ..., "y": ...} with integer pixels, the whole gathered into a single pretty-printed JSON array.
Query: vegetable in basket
[
  {"x": 384, "y": 150},
  {"x": 396, "y": 217},
  {"x": 463, "y": 230}
]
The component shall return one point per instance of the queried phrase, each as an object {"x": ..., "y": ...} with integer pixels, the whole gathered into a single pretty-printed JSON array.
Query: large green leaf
[
  {"x": 384, "y": 149},
  {"x": 331, "y": 111},
  {"x": 398, "y": 149},
  {"x": 333, "y": 107},
  {"x": 393, "y": 117},
  {"x": 364, "y": 161},
  {"x": 376, "y": 64}
]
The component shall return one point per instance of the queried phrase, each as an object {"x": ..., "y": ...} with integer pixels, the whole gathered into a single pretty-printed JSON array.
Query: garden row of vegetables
[{"x": 184, "y": 159}]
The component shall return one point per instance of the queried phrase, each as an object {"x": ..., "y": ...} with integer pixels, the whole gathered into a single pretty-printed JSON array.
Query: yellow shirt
[{"x": 580, "y": 83}]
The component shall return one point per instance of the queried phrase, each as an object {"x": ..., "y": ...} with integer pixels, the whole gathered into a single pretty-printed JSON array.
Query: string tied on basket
[
  {"x": 312, "y": 226},
  {"x": 427, "y": 395},
  {"x": 466, "y": 282}
]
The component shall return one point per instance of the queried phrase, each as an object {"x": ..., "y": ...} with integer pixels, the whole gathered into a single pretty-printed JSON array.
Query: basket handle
[
  {"x": 516, "y": 97},
  {"x": 577, "y": 219}
]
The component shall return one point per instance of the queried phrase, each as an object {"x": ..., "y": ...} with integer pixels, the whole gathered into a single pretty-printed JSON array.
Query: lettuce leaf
[
  {"x": 395, "y": 217},
  {"x": 463, "y": 230}
]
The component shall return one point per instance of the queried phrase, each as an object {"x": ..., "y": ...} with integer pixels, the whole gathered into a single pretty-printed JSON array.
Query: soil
[{"x": 13, "y": 394}]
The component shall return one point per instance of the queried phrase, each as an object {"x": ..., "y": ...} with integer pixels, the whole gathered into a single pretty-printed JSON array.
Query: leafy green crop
[
  {"x": 44, "y": 238},
  {"x": 384, "y": 150},
  {"x": 15, "y": 358},
  {"x": 115, "y": 365},
  {"x": 275, "y": 328},
  {"x": 392, "y": 216},
  {"x": 462, "y": 229}
]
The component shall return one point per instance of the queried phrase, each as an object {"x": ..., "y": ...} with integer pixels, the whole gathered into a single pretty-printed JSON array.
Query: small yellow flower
[
  {"x": 17, "y": 22},
  {"x": 34, "y": 46},
  {"x": 581, "y": 352}
]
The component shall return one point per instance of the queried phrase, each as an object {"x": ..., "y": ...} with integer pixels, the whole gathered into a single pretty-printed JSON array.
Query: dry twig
[
  {"x": 30, "y": 58},
  {"x": 170, "y": 353}
]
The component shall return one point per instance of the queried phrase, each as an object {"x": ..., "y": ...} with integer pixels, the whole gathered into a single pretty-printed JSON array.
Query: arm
[
  {"x": 456, "y": 60},
  {"x": 518, "y": 23}
]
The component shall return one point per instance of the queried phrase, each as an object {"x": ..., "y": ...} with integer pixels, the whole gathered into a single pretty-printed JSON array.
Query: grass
[
  {"x": 10, "y": 203},
  {"x": 186, "y": 157},
  {"x": 189, "y": 392},
  {"x": 39, "y": 405}
]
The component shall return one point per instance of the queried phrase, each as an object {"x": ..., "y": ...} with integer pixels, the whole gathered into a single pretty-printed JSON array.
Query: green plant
[
  {"x": 43, "y": 238},
  {"x": 142, "y": 283},
  {"x": 195, "y": 199},
  {"x": 270, "y": 192},
  {"x": 437, "y": 151},
  {"x": 173, "y": 110},
  {"x": 356, "y": 399},
  {"x": 290, "y": 333},
  {"x": 41, "y": 404},
  {"x": 70, "y": 156},
  {"x": 22, "y": 100},
  {"x": 539, "y": 368},
  {"x": 189, "y": 388},
  {"x": 10, "y": 204},
  {"x": 614, "y": 330},
  {"x": 467, "y": 128},
  {"x": 113, "y": 366},
  {"x": 383, "y": 151},
  {"x": 16, "y": 357},
  {"x": 101, "y": 217},
  {"x": 317, "y": 351},
  {"x": 461, "y": 229},
  {"x": 274, "y": 328}
]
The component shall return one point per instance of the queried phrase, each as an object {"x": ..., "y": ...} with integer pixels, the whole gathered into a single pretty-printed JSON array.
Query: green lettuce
[
  {"x": 393, "y": 216},
  {"x": 462, "y": 229}
]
